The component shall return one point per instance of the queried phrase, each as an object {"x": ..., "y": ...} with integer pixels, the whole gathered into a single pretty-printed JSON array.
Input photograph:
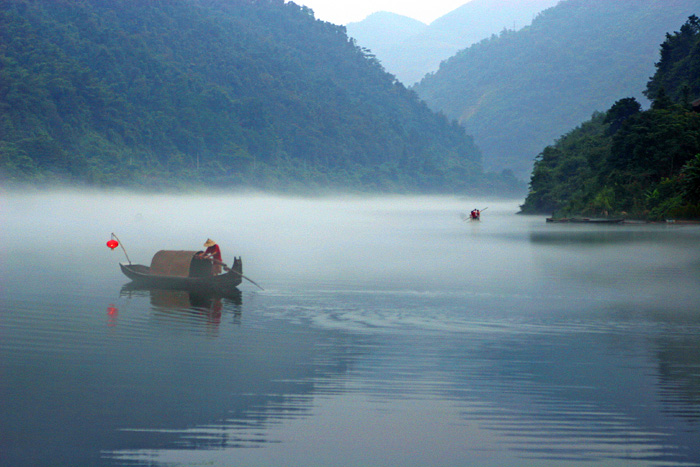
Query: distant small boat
[
  {"x": 474, "y": 215},
  {"x": 586, "y": 220},
  {"x": 177, "y": 269}
]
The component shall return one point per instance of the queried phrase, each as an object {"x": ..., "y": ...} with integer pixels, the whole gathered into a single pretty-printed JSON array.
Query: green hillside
[
  {"x": 236, "y": 93},
  {"x": 627, "y": 161},
  {"x": 519, "y": 91}
]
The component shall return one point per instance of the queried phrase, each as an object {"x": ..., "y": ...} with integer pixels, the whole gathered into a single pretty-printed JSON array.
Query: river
[{"x": 389, "y": 332}]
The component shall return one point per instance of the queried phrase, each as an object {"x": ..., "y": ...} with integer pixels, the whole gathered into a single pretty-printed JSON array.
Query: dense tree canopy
[
  {"x": 231, "y": 92},
  {"x": 678, "y": 70},
  {"x": 628, "y": 161},
  {"x": 518, "y": 91}
]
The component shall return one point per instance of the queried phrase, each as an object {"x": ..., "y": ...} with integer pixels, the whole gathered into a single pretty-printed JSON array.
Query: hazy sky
[{"x": 347, "y": 11}]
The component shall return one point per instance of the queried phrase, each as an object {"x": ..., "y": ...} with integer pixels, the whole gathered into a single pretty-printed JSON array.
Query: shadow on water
[
  {"x": 576, "y": 397},
  {"x": 583, "y": 238},
  {"x": 177, "y": 298},
  {"x": 609, "y": 235},
  {"x": 195, "y": 307},
  {"x": 171, "y": 371}
]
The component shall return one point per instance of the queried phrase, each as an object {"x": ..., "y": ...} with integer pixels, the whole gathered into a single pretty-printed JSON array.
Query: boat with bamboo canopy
[{"x": 180, "y": 269}]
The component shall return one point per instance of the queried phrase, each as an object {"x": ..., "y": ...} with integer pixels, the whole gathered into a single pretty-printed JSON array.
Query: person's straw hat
[{"x": 209, "y": 243}]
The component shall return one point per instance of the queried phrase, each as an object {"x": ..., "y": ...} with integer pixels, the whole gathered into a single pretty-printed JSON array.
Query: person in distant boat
[
  {"x": 213, "y": 252},
  {"x": 475, "y": 214}
]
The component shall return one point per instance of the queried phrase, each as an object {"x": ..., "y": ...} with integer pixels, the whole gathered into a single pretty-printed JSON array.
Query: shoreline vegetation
[{"x": 628, "y": 162}]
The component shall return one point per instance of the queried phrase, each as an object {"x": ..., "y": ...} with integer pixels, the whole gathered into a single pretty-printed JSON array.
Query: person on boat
[
  {"x": 213, "y": 252},
  {"x": 475, "y": 214}
]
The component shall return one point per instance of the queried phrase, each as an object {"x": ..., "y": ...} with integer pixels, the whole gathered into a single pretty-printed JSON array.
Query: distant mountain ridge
[
  {"x": 517, "y": 92},
  {"x": 412, "y": 56},
  {"x": 382, "y": 30}
]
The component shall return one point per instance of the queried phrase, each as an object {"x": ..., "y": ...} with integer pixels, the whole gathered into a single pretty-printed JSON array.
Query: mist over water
[{"x": 389, "y": 332}]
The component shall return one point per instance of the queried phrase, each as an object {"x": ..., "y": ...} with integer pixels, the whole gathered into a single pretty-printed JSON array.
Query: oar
[
  {"x": 480, "y": 211},
  {"x": 248, "y": 279},
  {"x": 226, "y": 268}
]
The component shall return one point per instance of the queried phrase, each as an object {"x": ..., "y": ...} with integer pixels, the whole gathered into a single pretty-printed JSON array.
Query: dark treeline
[
  {"x": 246, "y": 93},
  {"x": 627, "y": 161}
]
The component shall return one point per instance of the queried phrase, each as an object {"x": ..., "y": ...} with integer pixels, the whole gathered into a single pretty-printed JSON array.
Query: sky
[{"x": 348, "y": 11}]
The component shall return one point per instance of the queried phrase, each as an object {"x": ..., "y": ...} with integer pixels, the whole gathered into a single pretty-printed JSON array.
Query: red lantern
[{"x": 112, "y": 244}]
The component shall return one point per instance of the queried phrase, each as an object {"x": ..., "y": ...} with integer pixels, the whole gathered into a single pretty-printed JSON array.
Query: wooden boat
[
  {"x": 470, "y": 217},
  {"x": 177, "y": 269}
]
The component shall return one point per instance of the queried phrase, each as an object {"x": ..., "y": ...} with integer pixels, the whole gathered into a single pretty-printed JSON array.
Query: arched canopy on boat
[{"x": 179, "y": 263}]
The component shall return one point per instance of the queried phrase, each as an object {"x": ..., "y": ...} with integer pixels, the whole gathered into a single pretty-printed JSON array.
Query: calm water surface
[{"x": 390, "y": 332}]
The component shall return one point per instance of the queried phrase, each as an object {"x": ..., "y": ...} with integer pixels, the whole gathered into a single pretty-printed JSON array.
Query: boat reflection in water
[{"x": 188, "y": 307}]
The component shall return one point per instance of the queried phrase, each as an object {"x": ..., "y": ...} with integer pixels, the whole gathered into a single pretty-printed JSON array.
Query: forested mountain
[
  {"x": 221, "y": 92},
  {"x": 627, "y": 161},
  {"x": 410, "y": 49},
  {"x": 519, "y": 91}
]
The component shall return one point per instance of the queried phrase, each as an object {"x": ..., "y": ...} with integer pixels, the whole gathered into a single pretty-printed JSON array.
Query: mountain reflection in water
[{"x": 389, "y": 333}]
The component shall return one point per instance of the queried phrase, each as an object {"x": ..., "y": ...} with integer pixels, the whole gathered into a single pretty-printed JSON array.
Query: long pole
[
  {"x": 236, "y": 272},
  {"x": 248, "y": 279},
  {"x": 121, "y": 245}
]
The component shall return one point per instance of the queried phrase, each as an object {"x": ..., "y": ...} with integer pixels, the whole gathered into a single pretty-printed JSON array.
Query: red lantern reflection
[
  {"x": 112, "y": 244},
  {"x": 112, "y": 313}
]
